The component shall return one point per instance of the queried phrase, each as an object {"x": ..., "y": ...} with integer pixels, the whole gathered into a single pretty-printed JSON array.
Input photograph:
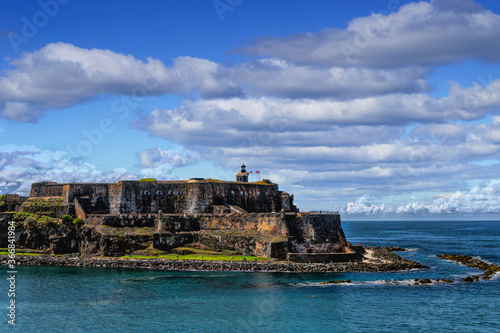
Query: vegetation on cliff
[{"x": 44, "y": 219}]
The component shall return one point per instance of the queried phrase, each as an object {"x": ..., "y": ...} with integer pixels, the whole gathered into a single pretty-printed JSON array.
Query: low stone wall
[
  {"x": 264, "y": 223},
  {"x": 323, "y": 257},
  {"x": 177, "y": 223},
  {"x": 167, "y": 241},
  {"x": 121, "y": 221},
  {"x": 271, "y": 249}
]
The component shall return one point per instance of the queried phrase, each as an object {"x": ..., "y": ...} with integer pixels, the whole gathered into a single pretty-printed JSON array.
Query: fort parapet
[{"x": 171, "y": 197}]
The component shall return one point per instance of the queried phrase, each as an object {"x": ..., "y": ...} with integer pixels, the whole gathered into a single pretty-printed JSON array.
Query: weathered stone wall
[
  {"x": 174, "y": 197},
  {"x": 275, "y": 249},
  {"x": 177, "y": 223},
  {"x": 11, "y": 202},
  {"x": 121, "y": 221},
  {"x": 94, "y": 198},
  {"x": 251, "y": 197},
  {"x": 184, "y": 197},
  {"x": 79, "y": 211},
  {"x": 315, "y": 233},
  {"x": 46, "y": 189},
  {"x": 244, "y": 244},
  {"x": 262, "y": 223}
]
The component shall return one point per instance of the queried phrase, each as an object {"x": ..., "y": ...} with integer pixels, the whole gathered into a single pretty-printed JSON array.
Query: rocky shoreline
[{"x": 386, "y": 261}]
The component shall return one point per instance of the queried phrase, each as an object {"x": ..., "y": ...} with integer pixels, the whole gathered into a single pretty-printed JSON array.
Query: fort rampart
[{"x": 252, "y": 218}]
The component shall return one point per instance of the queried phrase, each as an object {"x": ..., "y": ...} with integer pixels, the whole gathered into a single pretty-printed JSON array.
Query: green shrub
[
  {"x": 47, "y": 220},
  {"x": 67, "y": 219},
  {"x": 2, "y": 203},
  {"x": 22, "y": 216},
  {"x": 30, "y": 221},
  {"x": 79, "y": 221}
]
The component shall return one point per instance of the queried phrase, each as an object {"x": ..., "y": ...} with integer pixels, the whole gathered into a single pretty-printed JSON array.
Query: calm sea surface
[{"x": 64, "y": 299}]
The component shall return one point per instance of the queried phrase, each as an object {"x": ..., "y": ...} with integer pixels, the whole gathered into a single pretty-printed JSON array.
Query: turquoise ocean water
[{"x": 65, "y": 299}]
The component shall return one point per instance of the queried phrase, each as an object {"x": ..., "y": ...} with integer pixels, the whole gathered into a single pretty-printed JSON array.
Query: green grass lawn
[
  {"x": 201, "y": 255},
  {"x": 3, "y": 253}
]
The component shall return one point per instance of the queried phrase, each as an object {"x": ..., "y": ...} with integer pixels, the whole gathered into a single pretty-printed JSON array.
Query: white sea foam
[
  {"x": 484, "y": 260},
  {"x": 406, "y": 282}
]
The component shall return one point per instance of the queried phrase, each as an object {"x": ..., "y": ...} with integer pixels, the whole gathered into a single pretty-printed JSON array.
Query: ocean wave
[
  {"x": 484, "y": 260},
  {"x": 405, "y": 282},
  {"x": 413, "y": 249}
]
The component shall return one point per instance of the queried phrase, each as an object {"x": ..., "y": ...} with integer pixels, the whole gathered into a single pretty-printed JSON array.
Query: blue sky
[{"x": 379, "y": 109}]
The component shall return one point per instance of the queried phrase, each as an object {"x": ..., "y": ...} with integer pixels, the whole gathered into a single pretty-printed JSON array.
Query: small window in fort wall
[
  {"x": 232, "y": 192},
  {"x": 169, "y": 192},
  {"x": 241, "y": 193},
  {"x": 181, "y": 192},
  {"x": 146, "y": 193},
  {"x": 158, "y": 193}
]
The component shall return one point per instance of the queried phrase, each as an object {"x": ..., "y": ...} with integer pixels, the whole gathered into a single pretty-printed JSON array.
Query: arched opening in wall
[
  {"x": 169, "y": 192},
  {"x": 146, "y": 202},
  {"x": 157, "y": 195},
  {"x": 241, "y": 193},
  {"x": 181, "y": 192},
  {"x": 232, "y": 192}
]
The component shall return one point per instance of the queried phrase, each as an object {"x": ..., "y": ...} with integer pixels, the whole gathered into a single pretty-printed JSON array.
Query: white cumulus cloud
[{"x": 419, "y": 33}]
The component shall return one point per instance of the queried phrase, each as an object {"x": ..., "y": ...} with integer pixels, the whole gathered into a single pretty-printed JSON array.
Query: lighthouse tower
[{"x": 242, "y": 176}]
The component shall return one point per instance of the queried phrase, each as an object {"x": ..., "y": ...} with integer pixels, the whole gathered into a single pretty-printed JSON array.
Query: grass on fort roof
[
  {"x": 217, "y": 257},
  {"x": 214, "y": 180},
  {"x": 22, "y": 252}
]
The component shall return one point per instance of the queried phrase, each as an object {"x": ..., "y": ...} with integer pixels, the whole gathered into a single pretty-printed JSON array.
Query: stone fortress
[{"x": 255, "y": 218}]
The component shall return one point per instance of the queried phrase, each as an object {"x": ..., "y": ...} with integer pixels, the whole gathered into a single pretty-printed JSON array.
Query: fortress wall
[
  {"x": 11, "y": 202},
  {"x": 272, "y": 224},
  {"x": 79, "y": 211},
  {"x": 316, "y": 233},
  {"x": 251, "y": 197},
  {"x": 94, "y": 198},
  {"x": 287, "y": 202},
  {"x": 177, "y": 223},
  {"x": 324, "y": 227},
  {"x": 171, "y": 197},
  {"x": 151, "y": 197},
  {"x": 46, "y": 189},
  {"x": 115, "y": 197},
  {"x": 196, "y": 198},
  {"x": 265, "y": 224}
]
